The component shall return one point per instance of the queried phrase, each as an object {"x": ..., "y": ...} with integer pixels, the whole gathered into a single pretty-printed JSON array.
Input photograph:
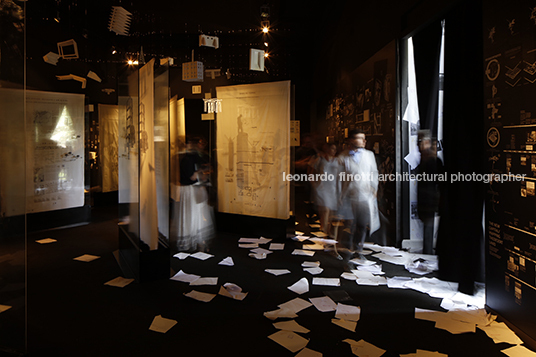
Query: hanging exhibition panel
[
  {"x": 108, "y": 124},
  {"x": 55, "y": 151},
  {"x": 510, "y": 88},
  {"x": 12, "y": 155},
  {"x": 161, "y": 145},
  {"x": 177, "y": 138},
  {"x": 148, "y": 206},
  {"x": 254, "y": 149}
]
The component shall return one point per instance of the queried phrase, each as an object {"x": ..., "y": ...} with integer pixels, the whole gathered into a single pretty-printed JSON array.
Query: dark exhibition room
[{"x": 267, "y": 178}]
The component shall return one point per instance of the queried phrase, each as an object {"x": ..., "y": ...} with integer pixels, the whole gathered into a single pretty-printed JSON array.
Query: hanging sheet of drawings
[
  {"x": 54, "y": 151},
  {"x": 109, "y": 135},
  {"x": 254, "y": 149}
]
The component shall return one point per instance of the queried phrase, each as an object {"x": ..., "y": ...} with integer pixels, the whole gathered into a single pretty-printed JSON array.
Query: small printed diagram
[
  {"x": 512, "y": 74},
  {"x": 251, "y": 160},
  {"x": 530, "y": 71},
  {"x": 493, "y": 69}
]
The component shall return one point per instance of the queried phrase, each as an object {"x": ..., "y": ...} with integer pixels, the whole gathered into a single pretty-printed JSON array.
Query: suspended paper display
[
  {"x": 177, "y": 143},
  {"x": 161, "y": 140},
  {"x": 254, "y": 149},
  {"x": 108, "y": 124},
  {"x": 148, "y": 207},
  {"x": 54, "y": 151},
  {"x": 12, "y": 153}
]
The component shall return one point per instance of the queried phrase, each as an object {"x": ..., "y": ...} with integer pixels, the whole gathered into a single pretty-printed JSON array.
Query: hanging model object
[
  {"x": 51, "y": 58},
  {"x": 209, "y": 41},
  {"x": 68, "y": 49},
  {"x": 192, "y": 71},
  {"x": 67, "y": 77},
  {"x": 120, "y": 21},
  {"x": 256, "y": 60},
  {"x": 212, "y": 105}
]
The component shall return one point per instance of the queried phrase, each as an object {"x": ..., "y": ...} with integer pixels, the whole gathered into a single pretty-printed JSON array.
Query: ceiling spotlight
[
  {"x": 266, "y": 44},
  {"x": 114, "y": 52},
  {"x": 266, "y": 55},
  {"x": 265, "y": 29},
  {"x": 130, "y": 62}
]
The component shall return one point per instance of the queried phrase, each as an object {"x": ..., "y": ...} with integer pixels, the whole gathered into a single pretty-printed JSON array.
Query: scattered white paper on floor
[
  {"x": 314, "y": 246},
  {"x": 519, "y": 351},
  {"x": 477, "y": 316},
  {"x": 348, "y": 276},
  {"x": 424, "y": 353},
  {"x": 277, "y": 272},
  {"x": 323, "y": 241},
  {"x": 280, "y": 313},
  {"x": 374, "y": 281},
  {"x": 232, "y": 291},
  {"x": 429, "y": 315},
  {"x": 499, "y": 332},
  {"x": 300, "y": 287},
  {"x": 295, "y": 305},
  {"x": 298, "y": 233},
  {"x": 197, "y": 295},
  {"x": 401, "y": 260},
  {"x": 201, "y": 256},
  {"x": 161, "y": 324},
  {"x": 319, "y": 234},
  {"x": 204, "y": 281},
  {"x": 373, "y": 246},
  {"x": 291, "y": 325},
  {"x": 323, "y": 304},
  {"x": 4, "y": 308},
  {"x": 181, "y": 255},
  {"x": 184, "y": 277},
  {"x": 86, "y": 258},
  {"x": 263, "y": 240},
  {"x": 363, "y": 348},
  {"x": 261, "y": 251},
  {"x": 362, "y": 261},
  {"x": 308, "y": 353},
  {"x": 307, "y": 264},
  {"x": 258, "y": 256},
  {"x": 327, "y": 281},
  {"x": 227, "y": 261},
  {"x": 314, "y": 271},
  {"x": 361, "y": 274},
  {"x": 257, "y": 241},
  {"x": 300, "y": 238},
  {"x": 248, "y": 245},
  {"x": 46, "y": 241},
  {"x": 308, "y": 253},
  {"x": 290, "y": 340},
  {"x": 349, "y": 325},
  {"x": 248, "y": 240},
  {"x": 454, "y": 326},
  {"x": 277, "y": 246},
  {"x": 373, "y": 268},
  {"x": 119, "y": 282},
  {"x": 348, "y": 312},
  {"x": 398, "y": 282}
]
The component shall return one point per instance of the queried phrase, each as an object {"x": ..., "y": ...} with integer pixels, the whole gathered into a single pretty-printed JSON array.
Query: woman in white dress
[
  {"x": 193, "y": 222},
  {"x": 326, "y": 191}
]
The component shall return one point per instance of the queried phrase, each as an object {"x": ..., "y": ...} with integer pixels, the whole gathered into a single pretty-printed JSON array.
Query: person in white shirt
[{"x": 359, "y": 181}]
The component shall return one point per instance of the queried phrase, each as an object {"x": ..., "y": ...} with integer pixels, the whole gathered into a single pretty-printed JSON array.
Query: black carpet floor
[{"x": 72, "y": 313}]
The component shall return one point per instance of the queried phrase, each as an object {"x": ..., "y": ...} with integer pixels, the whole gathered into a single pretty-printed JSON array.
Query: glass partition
[{"x": 12, "y": 180}]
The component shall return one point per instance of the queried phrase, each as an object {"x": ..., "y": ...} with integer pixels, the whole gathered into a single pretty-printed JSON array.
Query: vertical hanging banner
[
  {"x": 254, "y": 149},
  {"x": 109, "y": 135},
  {"x": 54, "y": 151},
  {"x": 148, "y": 206}
]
